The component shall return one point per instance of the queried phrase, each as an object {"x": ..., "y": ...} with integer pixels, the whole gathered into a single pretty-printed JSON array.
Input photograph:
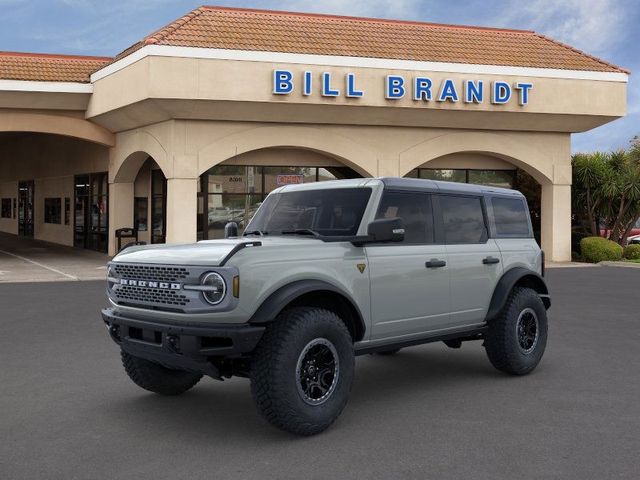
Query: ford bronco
[{"x": 322, "y": 273}]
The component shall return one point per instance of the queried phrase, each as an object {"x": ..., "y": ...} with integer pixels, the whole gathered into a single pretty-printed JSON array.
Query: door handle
[
  {"x": 490, "y": 260},
  {"x": 435, "y": 263}
]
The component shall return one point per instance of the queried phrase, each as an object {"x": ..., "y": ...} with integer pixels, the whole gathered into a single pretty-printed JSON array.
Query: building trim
[
  {"x": 343, "y": 61},
  {"x": 48, "y": 87}
]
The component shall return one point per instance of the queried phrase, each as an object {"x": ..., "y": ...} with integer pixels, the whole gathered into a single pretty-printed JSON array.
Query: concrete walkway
[{"x": 28, "y": 260}]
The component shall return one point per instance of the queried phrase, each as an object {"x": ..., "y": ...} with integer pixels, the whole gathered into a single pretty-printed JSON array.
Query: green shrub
[
  {"x": 632, "y": 252},
  {"x": 598, "y": 249}
]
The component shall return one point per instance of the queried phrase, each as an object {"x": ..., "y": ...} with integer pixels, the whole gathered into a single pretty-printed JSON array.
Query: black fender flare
[
  {"x": 511, "y": 278},
  {"x": 278, "y": 300}
]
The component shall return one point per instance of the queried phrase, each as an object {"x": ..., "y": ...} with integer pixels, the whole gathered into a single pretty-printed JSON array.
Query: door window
[
  {"x": 415, "y": 211},
  {"x": 463, "y": 219}
]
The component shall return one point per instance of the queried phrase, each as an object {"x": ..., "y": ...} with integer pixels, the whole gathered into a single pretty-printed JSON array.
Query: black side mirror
[
  {"x": 386, "y": 230},
  {"x": 231, "y": 230}
]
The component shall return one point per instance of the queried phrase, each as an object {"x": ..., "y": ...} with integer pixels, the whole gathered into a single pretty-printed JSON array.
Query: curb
[{"x": 620, "y": 264}]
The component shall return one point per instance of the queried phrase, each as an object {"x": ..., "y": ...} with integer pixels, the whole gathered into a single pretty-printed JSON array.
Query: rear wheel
[
  {"x": 516, "y": 340},
  {"x": 302, "y": 370},
  {"x": 156, "y": 378}
]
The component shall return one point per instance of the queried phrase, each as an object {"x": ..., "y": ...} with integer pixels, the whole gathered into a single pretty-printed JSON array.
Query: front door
[
  {"x": 474, "y": 260},
  {"x": 25, "y": 208},
  {"x": 409, "y": 280},
  {"x": 91, "y": 208}
]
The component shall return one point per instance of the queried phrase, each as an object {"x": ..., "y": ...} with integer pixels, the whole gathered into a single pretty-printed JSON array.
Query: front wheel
[
  {"x": 516, "y": 340},
  {"x": 302, "y": 370}
]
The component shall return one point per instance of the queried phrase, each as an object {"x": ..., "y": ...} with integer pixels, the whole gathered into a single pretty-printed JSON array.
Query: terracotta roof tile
[
  {"x": 48, "y": 68},
  {"x": 273, "y": 31}
]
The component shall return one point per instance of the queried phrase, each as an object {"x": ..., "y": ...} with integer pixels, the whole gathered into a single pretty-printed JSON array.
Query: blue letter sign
[
  {"x": 282, "y": 82},
  {"x": 327, "y": 91},
  {"x": 523, "y": 90},
  {"x": 395, "y": 86},
  {"x": 351, "y": 86},
  {"x": 501, "y": 92}
]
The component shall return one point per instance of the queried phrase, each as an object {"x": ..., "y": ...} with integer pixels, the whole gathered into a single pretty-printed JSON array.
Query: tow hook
[{"x": 173, "y": 343}]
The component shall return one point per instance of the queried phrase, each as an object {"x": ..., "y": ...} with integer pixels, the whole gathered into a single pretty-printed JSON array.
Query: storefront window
[
  {"x": 140, "y": 214},
  {"x": 233, "y": 193}
]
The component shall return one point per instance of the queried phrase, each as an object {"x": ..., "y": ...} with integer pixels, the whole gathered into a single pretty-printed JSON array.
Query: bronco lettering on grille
[{"x": 148, "y": 284}]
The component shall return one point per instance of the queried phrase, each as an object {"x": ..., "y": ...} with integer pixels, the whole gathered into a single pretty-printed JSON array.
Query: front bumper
[{"x": 182, "y": 347}]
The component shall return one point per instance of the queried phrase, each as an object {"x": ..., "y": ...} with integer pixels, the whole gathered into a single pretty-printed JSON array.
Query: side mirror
[
  {"x": 386, "y": 230},
  {"x": 231, "y": 230}
]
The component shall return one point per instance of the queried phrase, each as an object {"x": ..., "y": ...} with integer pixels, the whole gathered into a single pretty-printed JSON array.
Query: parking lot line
[{"x": 41, "y": 265}]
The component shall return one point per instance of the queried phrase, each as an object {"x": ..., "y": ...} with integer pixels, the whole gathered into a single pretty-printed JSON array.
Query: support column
[
  {"x": 120, "y": 211},
  {"x": 556, "y": 222},
  {"x": 182, "y": 210}
]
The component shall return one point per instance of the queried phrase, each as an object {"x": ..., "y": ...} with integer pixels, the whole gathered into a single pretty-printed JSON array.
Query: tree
[{"x": 607, "y": 186}]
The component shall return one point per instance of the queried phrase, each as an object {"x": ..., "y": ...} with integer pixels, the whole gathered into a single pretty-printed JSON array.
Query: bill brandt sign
[{"x": 420, "y": 88}]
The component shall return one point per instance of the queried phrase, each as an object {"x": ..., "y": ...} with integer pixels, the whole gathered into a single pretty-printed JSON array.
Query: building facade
[{"x": 195, "y": 124}]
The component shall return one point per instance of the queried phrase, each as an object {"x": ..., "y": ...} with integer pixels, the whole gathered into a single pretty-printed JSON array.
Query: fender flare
[
  {"x": 278, "y": 300},
  {"x": 509, "y": 280}
]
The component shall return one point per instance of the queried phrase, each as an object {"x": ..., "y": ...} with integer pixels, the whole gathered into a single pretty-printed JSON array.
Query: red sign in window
[{"x": 289, "y": 179}]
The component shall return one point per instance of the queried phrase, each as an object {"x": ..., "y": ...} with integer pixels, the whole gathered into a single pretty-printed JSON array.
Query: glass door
[
  {"x": 158, "y": 207},
  {"x": 91, "y": 226},
  {"x": 25, "y": 208}
]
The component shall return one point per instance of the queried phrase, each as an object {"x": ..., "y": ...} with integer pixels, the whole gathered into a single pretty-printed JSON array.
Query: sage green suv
[{"x": 325, "y": 272}]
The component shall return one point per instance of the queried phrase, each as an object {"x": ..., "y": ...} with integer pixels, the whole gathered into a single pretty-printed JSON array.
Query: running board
[{"x": 464, "y": 335}]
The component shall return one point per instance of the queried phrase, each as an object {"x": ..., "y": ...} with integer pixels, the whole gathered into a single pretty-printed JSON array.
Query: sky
[{"x": 604, "y": 28}]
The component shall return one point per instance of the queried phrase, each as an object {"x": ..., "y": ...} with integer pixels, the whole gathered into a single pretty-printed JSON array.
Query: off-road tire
[
  {"x": 156, "y": 378},
  {"x": 386, "y": 353},
  {"x": 502, "y": 342},
  {"x": 274, "y": 375}
]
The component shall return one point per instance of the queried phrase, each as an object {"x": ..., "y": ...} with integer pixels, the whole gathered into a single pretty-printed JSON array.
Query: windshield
[{"x": 327, "y": 212}]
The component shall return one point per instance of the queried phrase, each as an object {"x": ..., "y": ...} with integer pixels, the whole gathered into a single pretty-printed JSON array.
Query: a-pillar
[
  {"x": 182, "y": 210},
  {"x": 556, "y": 222},
  {"x": 120, "y": 211}
]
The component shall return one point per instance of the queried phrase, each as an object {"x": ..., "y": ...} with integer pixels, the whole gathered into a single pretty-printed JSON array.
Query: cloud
[
  {"x": 592, "y": 25},
  {"x": 404, "y": 9}
]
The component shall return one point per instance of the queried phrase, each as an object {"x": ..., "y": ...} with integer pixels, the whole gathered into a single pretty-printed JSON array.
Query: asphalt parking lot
[{"x": 69, "y": 412}]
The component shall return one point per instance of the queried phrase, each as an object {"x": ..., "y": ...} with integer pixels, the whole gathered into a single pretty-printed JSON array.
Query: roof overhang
[{"x": 356, "y": 62}]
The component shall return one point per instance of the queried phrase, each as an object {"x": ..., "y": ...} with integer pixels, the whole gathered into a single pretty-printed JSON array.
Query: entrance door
[
  {"x": 25, "y": 208},
  {"x": 91, "y": 211},
  {"x": 158, "y": 207},
  {"x": 409, "y": 280}
]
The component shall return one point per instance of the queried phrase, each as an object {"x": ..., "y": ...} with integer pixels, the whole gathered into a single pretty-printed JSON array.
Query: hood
[{"x": 207, "y": 252}]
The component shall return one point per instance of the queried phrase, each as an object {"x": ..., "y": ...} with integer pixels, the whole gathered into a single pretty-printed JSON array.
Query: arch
[
  {"x": 522, "y": 155},
  {"x": 57, "y": 125},
  {"x": 132, "y": 151},
  {"x": 323, "y": 141}
]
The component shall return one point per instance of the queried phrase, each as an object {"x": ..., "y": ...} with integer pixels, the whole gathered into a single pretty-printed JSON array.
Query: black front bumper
[{"x": 183, "y": 347}]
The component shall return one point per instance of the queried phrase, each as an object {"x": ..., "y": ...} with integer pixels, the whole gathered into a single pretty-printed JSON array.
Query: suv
[{"x": 324, "y": 272}]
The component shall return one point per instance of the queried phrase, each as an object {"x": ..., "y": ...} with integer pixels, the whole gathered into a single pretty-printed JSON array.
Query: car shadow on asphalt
[{"x": 215, "y": 410}]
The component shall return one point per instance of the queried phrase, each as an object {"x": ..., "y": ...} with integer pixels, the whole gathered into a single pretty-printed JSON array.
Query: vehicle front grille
[
  {"x": 151, "y": 272},
  {"x": 133, "y": 295},
  {"x": 154, "y": 296}
]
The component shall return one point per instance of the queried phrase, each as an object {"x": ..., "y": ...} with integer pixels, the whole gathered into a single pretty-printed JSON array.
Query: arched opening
[
  {"x": 485, "y": 169},
  {"x": 140, "y": 199},
  {"x": 233, "y": 190},
  {"x": 53, "y": 186}
]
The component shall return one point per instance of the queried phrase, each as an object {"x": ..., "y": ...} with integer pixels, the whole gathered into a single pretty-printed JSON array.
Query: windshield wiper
[
  {"x": 300, "y": 231},
  {"x": 255, "y": 232}
]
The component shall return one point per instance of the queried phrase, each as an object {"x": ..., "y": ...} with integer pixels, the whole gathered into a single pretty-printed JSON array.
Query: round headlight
[{"x": 216, "y": 288}]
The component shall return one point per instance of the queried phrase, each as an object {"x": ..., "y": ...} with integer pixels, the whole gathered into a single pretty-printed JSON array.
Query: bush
[
  {"x": 632, "y": 252},
  {"x": 598, "y": 249}
]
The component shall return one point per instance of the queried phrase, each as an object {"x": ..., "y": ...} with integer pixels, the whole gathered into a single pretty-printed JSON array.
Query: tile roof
[
  {"x": 48, "y": 68},
  {"x": 274, "y": 31}
]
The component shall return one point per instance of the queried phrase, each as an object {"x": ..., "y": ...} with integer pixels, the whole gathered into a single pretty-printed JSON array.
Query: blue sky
[{"x": 605, "y": 28}]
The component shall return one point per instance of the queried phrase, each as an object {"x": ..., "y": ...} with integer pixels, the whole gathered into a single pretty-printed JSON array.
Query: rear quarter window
[{"x": 510, "y": 217}]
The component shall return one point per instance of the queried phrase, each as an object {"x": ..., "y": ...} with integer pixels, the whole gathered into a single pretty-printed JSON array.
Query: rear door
[
  {"x": 474, "y": 260},
  {"x": 409, "y": 280}
]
